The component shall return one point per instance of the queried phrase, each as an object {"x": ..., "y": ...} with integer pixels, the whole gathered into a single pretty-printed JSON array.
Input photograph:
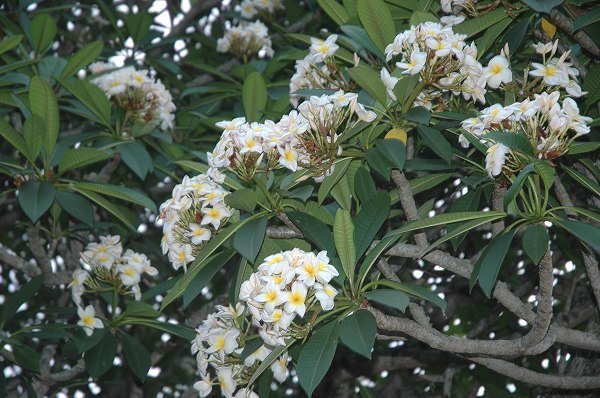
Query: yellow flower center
[
  {"x": 550, "y": 70},
  {"x": 88, "y": 320},
  {"x": 220, "y": 343},
  {"x": 296, "y": 298},
  {"x": 214, "y": 213},
  {"x": 496, "y": 69}
]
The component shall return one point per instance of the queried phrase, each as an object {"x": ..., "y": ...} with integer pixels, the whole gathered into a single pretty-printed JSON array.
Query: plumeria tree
[{"x": 277, "y": 198}]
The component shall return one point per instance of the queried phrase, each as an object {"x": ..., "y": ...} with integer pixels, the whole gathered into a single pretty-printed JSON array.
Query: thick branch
[
  {"x": 498, "y": 205},
  {"x": 565, "y": 23},
  {"x": 408, "y": 204}
]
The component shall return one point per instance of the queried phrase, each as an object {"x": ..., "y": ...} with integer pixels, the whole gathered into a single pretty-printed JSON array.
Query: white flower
[
  {"x": 88, "y": 320},
  {"x": 296, "y": 299},
  {"x": 321, "y": 49},
  {"x": 495, "y": 158},
  {"x": 441, "y": 47},
  {"x": 204, "y": 387},
  {"x": 199, "y": 234},
  {"x": 281, "y": 319},
  {"x": 389, "y": 82},
  {"x": 326, "y": 295},
  {"x": 551, "y": 74},
  {"x": 130, "y": 274},
  {"x": 544, "y": 48},
  {"x": 246, "y": 393},
  {"x": 279, "y": 368},
  {"x": 225, "y": 378},
  {"x": 289, "y": 157},
  {"x": 79, "y": 278},
  {"x": 223, "y": 343},
  {"x": 258, "y": 355},
  {"x": 181, "y": 255},
  {"x": 415, "y": 64},
  {"x": 341, "y": 99},
  {"x": 271, "y": 297},
  {"x": 497, "y": 71},
  {"x": 362, "y": 113},
  {"x": 214, "y": 215}
]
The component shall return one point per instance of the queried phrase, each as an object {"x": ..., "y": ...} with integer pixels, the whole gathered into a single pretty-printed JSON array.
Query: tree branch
[{"x": 408, "y": 204}]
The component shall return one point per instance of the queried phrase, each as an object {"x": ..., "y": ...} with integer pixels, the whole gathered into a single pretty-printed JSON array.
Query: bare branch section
[{"x": 408, "y": 203}]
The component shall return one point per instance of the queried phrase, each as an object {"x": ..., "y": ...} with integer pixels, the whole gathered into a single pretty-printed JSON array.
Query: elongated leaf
[
  {"x": 591, "y": 84},
  {"x": 22, "y": 295},
  {"x": 330, "y": 181},
  {"x": 121, "y": 213},
  {"x": 583, "y": 180},
  {"x": 138, "y": 25},
  {"x": 100, "y": 358},
  {"x": 243, "y": 199},
  {"x": 436, "y": 141},
  {"x": 201, "y": 259},
  {"x": 254, "y": 96},
  {"x": 137, "y": 356},
  {"x": 140, "y": 309},
  {"x": 27, "y": 357},
  {"x": 418, "y": 114},
  {"x": 489, "y": 264},
  {"x": 364, "y": 185},
  {"x": 314, "y": 230},
  {"x": 76, "y": 205},
  {"x": 335, "y": 10},
  {"x": 43, "y": 104},
  {"x": 377, "y": 20},
  {"x": 183, "y": 331},
  {"x": 206, "y": 274},
  {"x": 394, "y": 150},
  {"x": 379, "y": 162},
  {"x": 512, "y": 140},
  {"x": 202, "y": 168},
  {"x": 491, "y": 36},
  {"x": 590, "y": 17},
  {"x": 80, "y": 157},
  {"x": 428, "y": 181},
  {"x": 583, "y": 147},
  {"x": 369, "y": 220},
  {"x": 461, "y": 229},
  {"x": 15, "y": 139},
  {"x": 370, "y": 80},
  {"x": 117, "y": 191},
  {"x": 35, "y": 198},
  {"x": 316, "y": 357},
  {"x": 343, "y": 235},
  {"x": 413, "y": 290},
  {"x": 443, "y": 219},
  {"x": 517, "y": 184},
  {"x": 392, "y": 298},
  {"x": 82, "y": 58},
  {"x": 587, "y": 233},
  {"x": 249, "y": 238},
  {"x": 9, "y": 43},
  {"x": 43, "y": 30},
  {"x": 544, "y": 6},
  {"x": 92, "y": 97},
  {"x": 358, "y": 331},
  {"x": 137, "y": 158},
  {"x": 472, "y": 26},
  {"x": 535, "y": 242},
  {"x": 360, "y": 36},
  {"x": 272, "y": 357},
  {"x": 34, "y": 131}
]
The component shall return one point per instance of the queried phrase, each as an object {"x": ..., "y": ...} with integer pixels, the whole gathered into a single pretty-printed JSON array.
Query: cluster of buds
[
  {"x": 308, "y": 138},
  {"x": 548, "y": 126},
  {"x": 191, "y": 217},
  {"x": 137, "y": 92},
  {"x": 104, "y": 265},
  {"x": 250, "y": 8},
  {"x": 318, "y": 70},
  {"x": 245, "y": 40},
  {"x": 286, "y": 287},
  {"x": 553, "y": 73},
  {"x": 444, "y": 63}
]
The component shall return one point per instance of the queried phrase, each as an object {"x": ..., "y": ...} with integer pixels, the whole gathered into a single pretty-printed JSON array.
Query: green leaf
[
  {"x": 15, "y": 139},
  {"x": 361, "y": 37},
  {"x": 443, "y": 219},
  {"x": 202, "y": 259},
  {"x": 405, "y": 86},
  {"x": 254, "y": 96},
  {"x": 123, "y": 214},
  {"x": 272, "y": 357},
  {"x": 587, "y": 233},
  {"x": 316, "y": 356},
  {"x": 391, "y": 298},
  {"x": 364, "y": 185},
  {"x": 243, "y": 199},
  {"x": 82, "y": 58},
  {"x": 426, "y": 182},
  {"x": 92, "y": 97},
  {"x": 544, "y": 6},
  {"x": 418, "y": 114},
  {"x": 34, "y": 131},
  {"x": 100, "y": 358},
  {"x": 9, "y": 43},
  {"x": 517, "y": 184},
  {"x": 35, "y": 198},
  {"x": 370, "y": 80},
  {"x": 414, "y": 290},
  {"x": 583, "y": 180},
  {"x": 512, "y": 140},
  {"x": 489, "y": 263},
  {"x": 330, "y": 181},
  {"x": 394, "y": 150},
  {"x": 314, "y": 230},
  {"x": 546, "y": 172},
  {"x": 42, "y": 101},
  {"x": 376, "y": 18},
  {"x": 76, "y": 205},
  {"x": 458, "y": 231},
  {"x": 80, "y": 157},
  {"x": 591, "y": 84},
  {"x": 472, "y": 26},
  {"x": 22, "y": 295},
  {"x": 335, "y": 10},
  {"x": 343, "y": 235},
  {"x": 183, "y": 331},
  {"x": 378, "y": 162},
  {"x": 535, "y": 242},
  {"x": 138, "y": 26},
  {"x": 369, "y": 220},
  {"x": 358, "y": 331},
  {"x": 43, "y": 30},
  {"x": 242, "y": 273},
  {"x": 436, "y": 141},
  {"x": 491, "y": 36},
  {"x": 27, "y": 357},
  {"x": 137, "y": 158},
  {"x": 590, "y": 17},
  {"x": 206, "y": 274},
  {"x": 140, "y": 309},
  {"x": 136, "y": 355},
  {"x": 515, "y": 35},
  {"x": 583, "y": 147},
  {"x": 249, "y": 238},
  {"x": 202, "y": 168},
  {"x": 117, "y": 191}
]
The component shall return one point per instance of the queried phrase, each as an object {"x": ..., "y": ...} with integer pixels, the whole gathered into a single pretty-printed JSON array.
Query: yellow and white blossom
[{"x": 88, "y": 320}]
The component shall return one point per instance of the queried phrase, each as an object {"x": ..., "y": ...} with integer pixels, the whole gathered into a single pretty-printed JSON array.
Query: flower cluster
[
  {"x": 555, "y": 73},
  {"x": 250, "y": 8},
  {"x": 308, "y": 138},
  {"x": 548, "y": 126},
  {"x": 137, "y": 92},
  {"x": 444, "y": 62},
  {"x": 191, "y": 217},
  {"x": 105, "y": 265},
  {"x": 284, "y": 289},
  {"x": 246, "y": 39},
  {"x": 318, "y": 70},
  {"x": 467, "y": 5}
]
